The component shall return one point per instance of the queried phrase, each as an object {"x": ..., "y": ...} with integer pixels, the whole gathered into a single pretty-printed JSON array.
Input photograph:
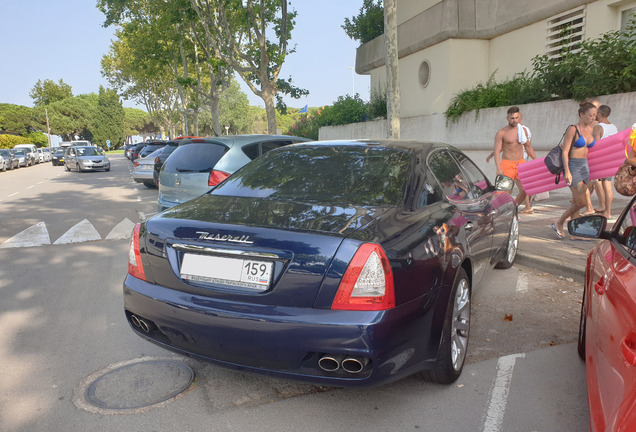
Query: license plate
[
  {"x": 147, "y": 167},
  {"x": 239, "y": 272}
]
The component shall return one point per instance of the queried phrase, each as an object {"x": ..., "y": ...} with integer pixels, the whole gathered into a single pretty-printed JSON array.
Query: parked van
[{"x": 31, "y": 151}]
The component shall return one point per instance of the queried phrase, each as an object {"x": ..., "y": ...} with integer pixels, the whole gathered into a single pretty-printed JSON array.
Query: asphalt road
[{"x": 62, "y": 325}]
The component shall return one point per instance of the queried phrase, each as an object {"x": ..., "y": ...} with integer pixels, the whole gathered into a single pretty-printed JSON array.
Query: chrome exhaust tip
[
  {"x": 354, "y": 365},
  {"x": 135, "y": 321},
  {"x": 140, "y": 323},
  {"x": 330, "y": 363}
]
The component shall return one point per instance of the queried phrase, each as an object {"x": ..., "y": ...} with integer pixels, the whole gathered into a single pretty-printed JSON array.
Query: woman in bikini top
[
  {"x": 581, "y": 142},
  {"x": 576, "y": 168}
]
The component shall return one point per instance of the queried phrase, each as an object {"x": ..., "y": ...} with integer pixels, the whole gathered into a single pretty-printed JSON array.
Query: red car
[{"x": 607, "y": 331}]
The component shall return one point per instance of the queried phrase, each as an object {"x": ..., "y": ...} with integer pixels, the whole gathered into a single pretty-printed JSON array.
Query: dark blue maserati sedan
[{"x": 345, "y": 263}]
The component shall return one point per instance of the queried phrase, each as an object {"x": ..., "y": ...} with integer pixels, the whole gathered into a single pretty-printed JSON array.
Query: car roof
[
  {"x": 402, "y": 144},
  {"x": 231, "y": 140}
]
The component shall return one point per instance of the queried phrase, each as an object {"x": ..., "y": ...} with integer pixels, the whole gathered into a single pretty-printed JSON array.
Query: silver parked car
[
  {"x": 22, "y": 156},
  {"x": 144, "y": 168},
  {"x": 199, "y": 164},
  {"x": 85, "y": 158},
  {"x": 10, "y": 160}
]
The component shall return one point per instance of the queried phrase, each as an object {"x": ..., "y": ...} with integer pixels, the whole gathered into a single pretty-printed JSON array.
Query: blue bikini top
[{"x": 580, "y": 142}]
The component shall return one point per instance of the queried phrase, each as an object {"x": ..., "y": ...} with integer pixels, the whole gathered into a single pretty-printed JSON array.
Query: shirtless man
[{"x": 507, "y": 141}]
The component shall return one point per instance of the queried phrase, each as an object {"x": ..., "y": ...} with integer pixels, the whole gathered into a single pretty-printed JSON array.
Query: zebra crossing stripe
[
  {"x": 81, "y": 232},
  {"x": 36, "y": 235}
]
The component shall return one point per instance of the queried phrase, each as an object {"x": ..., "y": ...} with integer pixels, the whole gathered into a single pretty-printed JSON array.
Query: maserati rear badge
[{"x": 203, "y": 235}]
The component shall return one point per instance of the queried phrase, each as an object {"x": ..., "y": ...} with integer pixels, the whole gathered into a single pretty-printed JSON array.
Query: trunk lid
[{"x": 210, "y": 243}]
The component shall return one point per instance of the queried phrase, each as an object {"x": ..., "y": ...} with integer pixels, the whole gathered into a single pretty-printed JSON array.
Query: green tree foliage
[
  {"x": 70, "y": 118},
  {"x": 48, "y": 91},
  {"x": 37, "y": 138},
  {"x": 10, "y": 141},
  {"x": 234, "y": 110},
  {"x": 521, "y": 89},
  {"x": 138, "y": 122},
  {"x": 251, "y": 37},
  {"x": 606, "y": 65},
  {"x": 368, "y": 24},
  {"x": 347, "y": 109},
  {"x": 16, "y": 119},
  {"x": 109, "y": 119}
]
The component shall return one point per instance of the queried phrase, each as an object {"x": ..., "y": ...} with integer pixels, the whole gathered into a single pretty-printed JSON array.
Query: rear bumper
[{"x": 286, "y": 342}]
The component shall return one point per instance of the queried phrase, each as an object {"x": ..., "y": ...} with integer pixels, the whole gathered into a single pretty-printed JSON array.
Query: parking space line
[
  {"x": 30, "y": 187},
  {"x": 14, "y": 193},
  {"x": 499, "y": 394}
]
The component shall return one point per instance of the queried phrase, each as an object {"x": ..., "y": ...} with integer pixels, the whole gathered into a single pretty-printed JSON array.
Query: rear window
[
  {"x": 353, "y": 175},
  {"x": 195, "y": 157}
]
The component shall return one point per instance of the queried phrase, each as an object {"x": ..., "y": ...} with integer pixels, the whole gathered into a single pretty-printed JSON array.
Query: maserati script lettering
[{"x": 224, "y": 238}]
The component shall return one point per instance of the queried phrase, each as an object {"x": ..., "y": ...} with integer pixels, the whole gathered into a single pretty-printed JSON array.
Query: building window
[
  {"x": 626, "y": 16},
  {"x": 566, "y": 31},
  {"x": 425, "y": 73}
]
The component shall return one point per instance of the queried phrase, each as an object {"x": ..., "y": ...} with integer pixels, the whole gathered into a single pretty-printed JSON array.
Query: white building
[{"x": 449, "y": 46}]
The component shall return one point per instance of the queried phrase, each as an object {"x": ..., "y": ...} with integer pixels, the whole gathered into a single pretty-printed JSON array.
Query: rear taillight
[
  {"x": 136, "y": 164},
  {"x": 367, "y": 283},
  {"x": 217, "y": 177},
  {"x": 135, "y": 267}
]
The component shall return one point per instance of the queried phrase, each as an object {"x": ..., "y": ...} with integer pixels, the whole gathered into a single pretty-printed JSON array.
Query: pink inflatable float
[{"x": 604, "y": 158}]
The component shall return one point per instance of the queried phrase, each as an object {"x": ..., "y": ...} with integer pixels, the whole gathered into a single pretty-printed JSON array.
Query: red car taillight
[
  {"x": 136, "y": 164},
  {"x": 217, "y": 177},
  {"x": 367, "y": 283},
  {"x": 135, "y": 267}
]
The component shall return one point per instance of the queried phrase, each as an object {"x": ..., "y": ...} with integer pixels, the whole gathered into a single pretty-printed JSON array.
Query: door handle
[
  {"x": 599, "y": 286},
  {"x": 628, "y": 349}
]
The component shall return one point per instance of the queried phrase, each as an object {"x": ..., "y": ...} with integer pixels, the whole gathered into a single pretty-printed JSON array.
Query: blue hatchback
[{"x": 340, "y": 263}]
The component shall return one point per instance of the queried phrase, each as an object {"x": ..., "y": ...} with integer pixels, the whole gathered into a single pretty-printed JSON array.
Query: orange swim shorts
[{"x": 510, "y": 168}]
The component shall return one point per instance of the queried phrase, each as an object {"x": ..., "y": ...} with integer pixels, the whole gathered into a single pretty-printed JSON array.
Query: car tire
[
  {"x": 149, "y": 184},
  {"x": 582, "y": 326},
  {"x": 512, "y": 246},
  {"x": 66, "y": 168},
  {"x": 454, "y": 341},
  {"x": 107, "y": 169},
  {"x": 4, "y": 167},
  {"x": 79, "y": 168}
]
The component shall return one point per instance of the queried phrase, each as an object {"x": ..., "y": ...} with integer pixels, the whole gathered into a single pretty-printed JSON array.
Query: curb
[{"x": 560, "y": 259}]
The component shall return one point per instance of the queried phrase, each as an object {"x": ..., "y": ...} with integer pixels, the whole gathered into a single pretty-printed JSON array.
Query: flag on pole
[{"x": 304, "y": 110}]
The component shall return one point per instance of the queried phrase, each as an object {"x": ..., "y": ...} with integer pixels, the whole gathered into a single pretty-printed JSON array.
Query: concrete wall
[{"x": 476, "y": 131}]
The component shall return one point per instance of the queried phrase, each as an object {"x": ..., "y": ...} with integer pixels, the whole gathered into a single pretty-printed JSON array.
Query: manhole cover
[{"x": 140, "y": 384}]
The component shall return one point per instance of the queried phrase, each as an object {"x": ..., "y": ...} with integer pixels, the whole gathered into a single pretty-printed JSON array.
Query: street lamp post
[{"x": 353, "y": 79}]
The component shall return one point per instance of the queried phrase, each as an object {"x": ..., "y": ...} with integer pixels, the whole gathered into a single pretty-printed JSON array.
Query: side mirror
[
  {"x": 504, "y": 183},
  {"x": 588, "y": 226}
]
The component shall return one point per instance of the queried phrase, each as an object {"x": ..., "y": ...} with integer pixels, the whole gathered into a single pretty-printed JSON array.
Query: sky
[{"x": 65, "y": 39}]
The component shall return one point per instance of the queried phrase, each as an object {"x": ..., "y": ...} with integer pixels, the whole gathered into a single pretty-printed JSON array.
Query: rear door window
[
  {"x": 195, "y": 157},
  {"x": 253, "y": 151}
]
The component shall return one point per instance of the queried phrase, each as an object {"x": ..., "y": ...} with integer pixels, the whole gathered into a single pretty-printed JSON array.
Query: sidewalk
[{"x": 539, "y": 246}]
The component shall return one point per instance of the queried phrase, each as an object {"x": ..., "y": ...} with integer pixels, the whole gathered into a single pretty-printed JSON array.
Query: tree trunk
[
  {"x": 270, "y": 108},
  {"x": 392, "y": 71}
]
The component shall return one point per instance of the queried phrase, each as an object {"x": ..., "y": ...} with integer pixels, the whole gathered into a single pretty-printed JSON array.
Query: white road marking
[
  {"x": 36, "y": 235},
  {"x": 14, "y": 193},
  {"x": 81, "y": 232},
  {"x": 121, "y": 231},
  {"x": 522, "y": 282},
  {"x": 499, "y": 393},
  {"x": 30, "y": 187}
]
